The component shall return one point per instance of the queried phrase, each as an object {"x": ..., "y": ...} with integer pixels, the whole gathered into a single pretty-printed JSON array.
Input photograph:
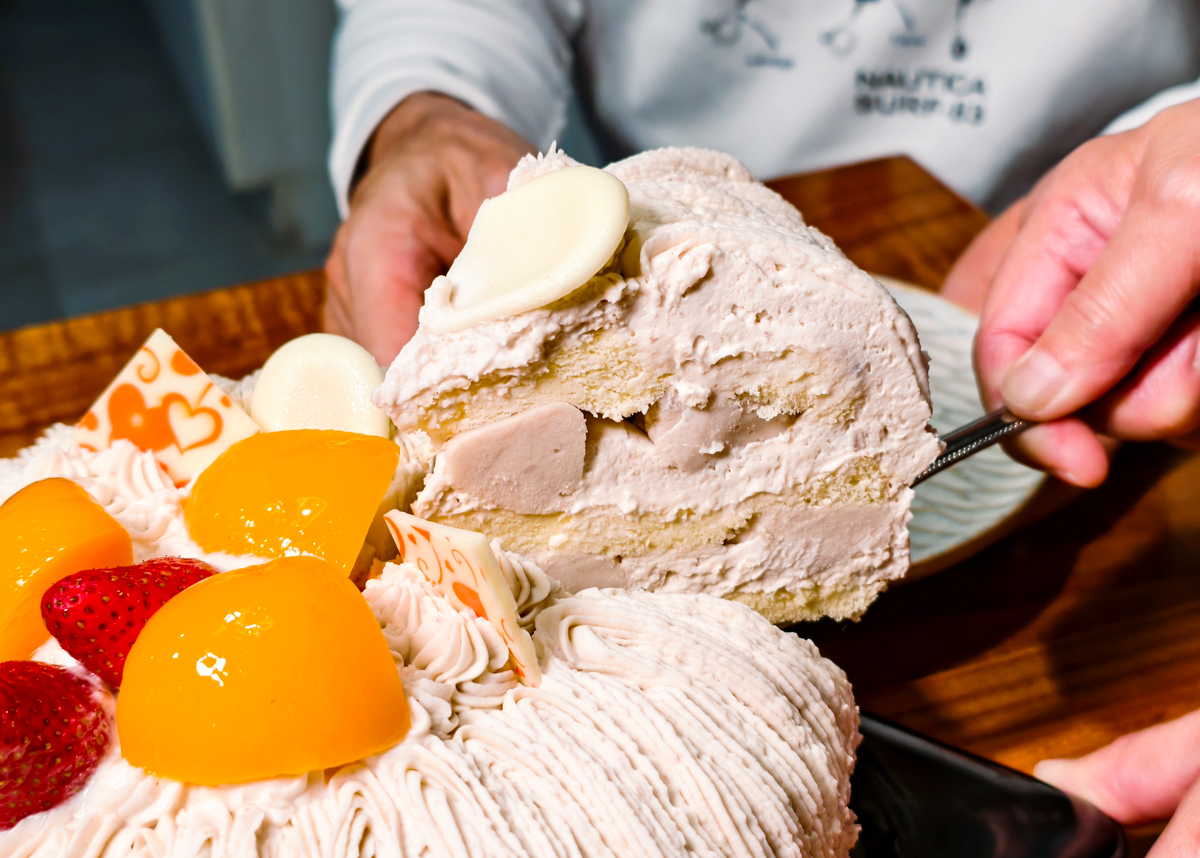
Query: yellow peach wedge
[
  {"x": 49, "y": 530},
  {"x": 262, "y": 672},
  {"x": 303, "y": 491}
]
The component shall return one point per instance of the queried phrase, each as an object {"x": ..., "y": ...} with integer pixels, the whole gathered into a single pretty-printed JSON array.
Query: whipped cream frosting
[
  {"x": 699, "y": 216},
  {"x": 664, "y": 725},
  {"x": 127, "y": 482}
]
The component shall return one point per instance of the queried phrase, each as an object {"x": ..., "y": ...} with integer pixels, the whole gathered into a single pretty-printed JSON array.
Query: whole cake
[
  {"x": 661, "y": 725},
  {"x": 728, "y": 406},
  {"x": 663, "y": 394}
]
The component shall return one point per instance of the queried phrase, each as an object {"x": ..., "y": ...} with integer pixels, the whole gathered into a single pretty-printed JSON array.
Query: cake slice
[{"x": 729, "y": 405}]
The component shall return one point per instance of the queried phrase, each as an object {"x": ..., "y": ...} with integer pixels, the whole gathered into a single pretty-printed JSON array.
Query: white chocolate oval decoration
[
  {"x": 319, "y": 381},
  {"x": 531, "y": 246}
]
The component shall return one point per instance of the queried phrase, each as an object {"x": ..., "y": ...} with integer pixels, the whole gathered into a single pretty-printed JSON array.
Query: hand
[
  {"x": 1141, "y": 777},
  {"x": 432, "y": 161},
  {"x": 1084, "y": 288}
]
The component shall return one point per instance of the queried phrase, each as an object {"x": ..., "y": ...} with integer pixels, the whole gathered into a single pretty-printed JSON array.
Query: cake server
[{"x": 975, "y": 436}]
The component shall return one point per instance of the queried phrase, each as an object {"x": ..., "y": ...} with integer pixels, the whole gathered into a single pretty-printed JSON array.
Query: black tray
[{"x": 917, "y": 798}]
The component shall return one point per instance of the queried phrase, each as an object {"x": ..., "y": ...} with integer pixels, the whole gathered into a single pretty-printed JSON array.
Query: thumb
[{"x": 1139, "y": 777}]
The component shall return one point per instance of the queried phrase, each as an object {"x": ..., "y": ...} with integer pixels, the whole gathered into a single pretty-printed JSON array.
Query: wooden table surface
[{"x": 1052, "y": 642}]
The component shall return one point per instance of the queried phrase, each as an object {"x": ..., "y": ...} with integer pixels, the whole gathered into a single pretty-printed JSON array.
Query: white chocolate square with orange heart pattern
[
  {"x": 165, "y": 404},
  {"x": 460, "y": 563}
]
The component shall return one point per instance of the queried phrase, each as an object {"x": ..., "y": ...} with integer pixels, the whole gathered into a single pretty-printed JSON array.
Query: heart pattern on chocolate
[
  {"x": 132, "y": 419},
  {"x": 173, "y": 422},
  {"x": 192, "y": 427}
]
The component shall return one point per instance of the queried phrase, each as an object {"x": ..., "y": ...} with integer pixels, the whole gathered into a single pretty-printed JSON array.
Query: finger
[
  {"x": 1161, "y": 399},
  {"x": 335, "y": 315},
  {"x": 467, "y": 189},
  {"x": 335, "y": 319},
  {"x": 1139, "y": 777},
  {"x": 1068, "y": 449},
  {"x": 969, "y": 280},
  {"x": 390, "y": 264},
  {"x": 486, "y": 174},
  {"x": 1065, "y": 224},
  {"x": 1181, "y": 839},
  {"x": 1139, "y": 284}
]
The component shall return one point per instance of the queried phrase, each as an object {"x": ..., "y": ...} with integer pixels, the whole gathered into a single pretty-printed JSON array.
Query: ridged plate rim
[{"x": 972, "y": 504}]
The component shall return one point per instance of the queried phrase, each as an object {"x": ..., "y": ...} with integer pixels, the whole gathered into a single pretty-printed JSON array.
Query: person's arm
[
  {"x": 434, "y": 103},
  {"x": 508, "y": 59},
  {"x": 1085, "y": 288}
]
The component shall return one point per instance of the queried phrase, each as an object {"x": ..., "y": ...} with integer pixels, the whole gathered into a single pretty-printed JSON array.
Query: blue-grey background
[{"x": 110, "y": 191}]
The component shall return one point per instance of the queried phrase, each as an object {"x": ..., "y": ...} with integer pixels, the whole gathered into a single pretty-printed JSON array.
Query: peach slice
[
  {"x": 262, "y": 672},
  {"x": 303, "y": 491},
  {"x": 49, "y": 530}
]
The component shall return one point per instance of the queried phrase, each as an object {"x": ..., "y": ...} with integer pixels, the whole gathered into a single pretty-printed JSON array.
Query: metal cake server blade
[{"x": 975, "y": 436}]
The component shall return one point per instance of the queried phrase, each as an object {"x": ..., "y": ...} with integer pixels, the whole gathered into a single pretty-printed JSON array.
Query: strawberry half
[
  {"x": 97, "y": 614},
  {"x": 53, "y": 734}
]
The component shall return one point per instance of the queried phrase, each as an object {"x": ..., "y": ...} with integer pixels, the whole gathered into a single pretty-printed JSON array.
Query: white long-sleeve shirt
[{"x": 987, "y": 94}]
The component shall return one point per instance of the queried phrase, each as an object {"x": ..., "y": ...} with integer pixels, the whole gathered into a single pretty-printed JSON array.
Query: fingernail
[
  {"x": 1051, "y": 771},
  {"x": 1070, "y": 777},
  {"x": 1033, "y": 382}
]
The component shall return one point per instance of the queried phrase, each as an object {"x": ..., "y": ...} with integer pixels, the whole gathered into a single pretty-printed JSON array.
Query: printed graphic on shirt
[
  {"x": 959, "y": 46},
  {"x": 842, "y": 40},
  {"x": 925, "y": 92},
  {"x": 952, "y": 93},
  {"x": 731, "y": 28}
]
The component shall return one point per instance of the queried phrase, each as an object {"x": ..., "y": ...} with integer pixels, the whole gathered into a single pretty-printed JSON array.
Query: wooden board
[
  {"x": 889, "y": 216},
  {"x": 1052, "y": 642}
]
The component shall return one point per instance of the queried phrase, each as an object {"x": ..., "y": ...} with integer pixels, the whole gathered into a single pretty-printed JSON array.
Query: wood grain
[
  {"x": 1055, "y": 640},
  {"x": 1051, "y": 642},
  {"x": 889, "y": 216}
]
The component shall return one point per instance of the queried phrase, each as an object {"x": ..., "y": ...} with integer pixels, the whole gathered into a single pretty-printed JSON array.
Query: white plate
[{"x": 962, "y": 509}]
